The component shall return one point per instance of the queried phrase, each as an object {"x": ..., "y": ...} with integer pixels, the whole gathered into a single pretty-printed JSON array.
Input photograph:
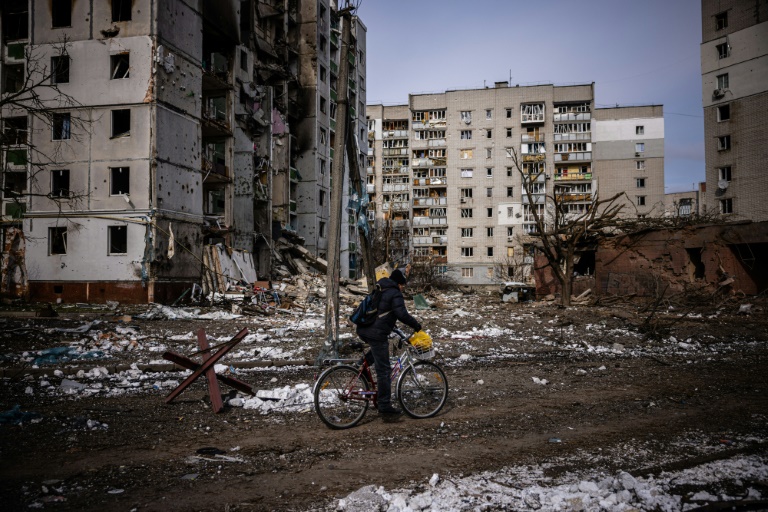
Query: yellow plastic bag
[{"x": 421, "y": 340}]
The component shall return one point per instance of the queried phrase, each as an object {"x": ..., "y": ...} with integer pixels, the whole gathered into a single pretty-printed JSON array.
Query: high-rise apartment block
[
  {"x": 734, "y": 77},
  {"x": 171, "y": 125},
  {"x": 442, "y": 171}
]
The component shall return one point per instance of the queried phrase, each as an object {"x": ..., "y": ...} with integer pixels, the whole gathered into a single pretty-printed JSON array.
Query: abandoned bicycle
[{"x": 343, "y": 392}]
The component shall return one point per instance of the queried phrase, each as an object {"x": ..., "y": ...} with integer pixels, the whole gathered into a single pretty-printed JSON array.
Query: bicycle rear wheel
[
  {"x": 422, "y": 389},
  {"x": 341, "y": 396}
]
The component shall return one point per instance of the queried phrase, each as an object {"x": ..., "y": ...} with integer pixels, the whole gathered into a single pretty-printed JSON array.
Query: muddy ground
[{"x": 649, "y": 394}]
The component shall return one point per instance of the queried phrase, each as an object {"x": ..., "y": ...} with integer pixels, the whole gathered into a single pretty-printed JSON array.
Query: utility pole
[
  {"x": 365, "y": 241},
  {"x": 330, "y": 346}
]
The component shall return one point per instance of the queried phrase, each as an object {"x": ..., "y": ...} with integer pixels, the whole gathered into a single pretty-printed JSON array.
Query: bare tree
[
  {"x": 560, "y": 232},
  {"x": 31, "y": 96},
  {"x": 512, "y": 267}
]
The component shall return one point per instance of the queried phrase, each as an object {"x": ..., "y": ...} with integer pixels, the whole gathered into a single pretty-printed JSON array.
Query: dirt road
[{"x": 614, "y": 399}]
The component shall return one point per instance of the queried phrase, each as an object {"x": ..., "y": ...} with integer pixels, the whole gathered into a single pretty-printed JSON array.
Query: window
[
  {"x": 322, "y": 166},
  {"x": 323, "y": 137},
  {"x": 640, "y": 182},
  {"x": 509, "y": 172},
  {"x": 640, "y": 201},
  {"x": 323, "y": 72},
  {"x": 510, "y": 230},
  {"x": 488, "y": 152},
  {"x": 639, "y": 130},
  {"x": 321, "y": 230},
  {"x": 323, "y": 105},
  {"x": 465, "y": 154},
  {"x": 723, "y": 50},
  {"x": 118, "y": 239},
  {"x": 61, "y": 127},
  {"x": 61, "y": 13},
  {"x": 489, "y": 114},
  {"x": 489, "y": 172},
  {"x": 121, "y": 10},
  {"x": 467, "y": 272},
  {"x": 243, "y": 60},
  {"x": 510, "y": 191},
  {"x": 640, "y": 165},
  {"x": 119, "y": 66},
  {"x": 722, "y": 81},
  {"x": 60, "y": 69},
  {"x": 509, "y": 132},
  {"x": 488, "y": 231},
  {"x": 726, "y": 206},
  {"x": 466, "y": 173},
  {"x": 489, "y": 212},
  {"x": 121, "y": 123},
  {"x": 488, "y": 134},
  {"x": 725, "y": 173},
  {"x": 639, "y": 147},
  {"x": 489, "y": 252},
  {"x": 466, "y": 134},
  {"x": 466, "y": 116},
  {"x": 119, "y": 181},
  {"x": 60, "y": 183},
  {"x": 15, "y": 131},
  {"x": 510, "y": 212},
  {"x": 323, "y": 43},
  {"x": 723, "y": 112},
  {"x": 467, "y": 232},
  {"x": 466, "y": 213},
  {"x": 724, "y": 143},
  {"x": 57, "y": 240},
  {"x": 13, "y": 77},
  {"x": 509, "y": 113},
  {"x": 509, "y": 152},
  {"x": 321, "y": 199},
  {"x": 466, "y": 193},
  {"x": 721, "y": 21},
  {"x": 467, "y": 252},
  {"x": 489, "y": 192}
]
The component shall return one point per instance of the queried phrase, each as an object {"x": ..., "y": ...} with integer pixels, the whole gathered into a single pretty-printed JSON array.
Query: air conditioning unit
[
  {"x": 510, "y": 239},
  {"x": 718, "y": 93},
  {"x": 638, "y": 154}
]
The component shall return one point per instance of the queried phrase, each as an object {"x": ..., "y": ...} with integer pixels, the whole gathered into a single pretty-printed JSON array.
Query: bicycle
[{"x": 343, "y": 392}]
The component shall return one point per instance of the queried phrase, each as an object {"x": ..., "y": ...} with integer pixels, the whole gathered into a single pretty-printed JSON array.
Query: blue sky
[{"x": 637, "y": 53}]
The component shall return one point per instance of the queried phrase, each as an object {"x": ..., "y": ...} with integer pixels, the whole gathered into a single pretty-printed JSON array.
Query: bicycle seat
[{"x": 356, "y": 345}]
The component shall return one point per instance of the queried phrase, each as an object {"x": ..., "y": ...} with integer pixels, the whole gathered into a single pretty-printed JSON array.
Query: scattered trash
[
  {"x": 434, "y": 480},
  {"x": 745, "y": 309},
  {"x": 541, "y": 382},
  {"x": 16, "y": 417},
  {"x": 210, "y": 450},
  {"x": 555, "y": 440},
  {"x": 63, "y": 354}
]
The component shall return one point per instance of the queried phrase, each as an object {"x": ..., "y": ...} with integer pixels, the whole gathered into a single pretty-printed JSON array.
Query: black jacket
[{"x": 391, "y": 309}]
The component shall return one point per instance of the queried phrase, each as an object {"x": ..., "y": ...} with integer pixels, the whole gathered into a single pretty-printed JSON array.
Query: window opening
[
  {"x": 121, "y": 123},
  {"x": 120, "y": 181},
  {"x": 118, "y": 239},
  {"x": 119, "y": 66}
]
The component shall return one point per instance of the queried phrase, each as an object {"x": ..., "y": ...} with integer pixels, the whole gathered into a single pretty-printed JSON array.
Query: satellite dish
[{"x": 723, "y": 184}]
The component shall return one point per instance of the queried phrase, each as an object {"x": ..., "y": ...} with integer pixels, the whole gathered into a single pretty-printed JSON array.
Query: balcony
[
  {"x": 572, "y": 175},
  {"x": 573, "y": 136},
  {"x": 334, "y": 68},
  {"x": 214, "y": 170},
  {"x": 394, "y": 152},
  {"x": 294, "y": 175},
  {"x": 16, "y": 158},
  {"x": 292, "y": 206},
  {"x": 575, "y": 198},
  {"x": 395, "y": 134},
  {"x": 396, "y": 206},
  {"x": 527, "y": 138},
  {"x": 430, "y": 201},
  {"x": 532, "y": 113},
  {"x": 395, "y": 170},
  {"x": 573, "y": 157},
  {"x": 395, "y": 187},
  {"x": 539, "y": 157},
  {"x": 572, "y": 116},
  {"x": 370, "y": 188}
]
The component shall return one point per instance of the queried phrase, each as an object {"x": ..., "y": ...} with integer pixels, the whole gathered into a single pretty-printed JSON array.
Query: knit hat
[{"x": 398, "y": 276}]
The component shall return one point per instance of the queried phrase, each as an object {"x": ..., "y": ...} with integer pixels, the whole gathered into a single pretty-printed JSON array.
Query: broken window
[
  {"x": 488, "y": 231},
  {"x": 61, "y": 13},
  {"x": 467, "y": 252},
  {"x": 510, "y": 211},
  {"x": 721, "y": 20},
  {"x": 724, "y": 143},
  {"x": 321, "y": 198},
  {"x": 509, "y": 113},
  {"x": 640, "y": 130},
  {"x": 467, "y": 232},
  {"x": 488, "y": 134},
  {"x": 466, "y": 173},
  {"x": 640, "y": 165},
  {"x": 489, "y": 172},
  {"x": 121, "y": 10},
  {"x": 466, "y": 213},
  {"x": 321, "y": 231},
  {"x": 119, "y": 181},
  {"x": 61, "y": 127},
  {"x": 15, "y": 183},
  {"x": 489, "y": 114},
  {"x": 489, "y": 212},
  {"x": 639, "y": 147},
  {"x": 640, "y": 200},
  {"x": 726, "y": 206},
  {"x": 466, "y": 116},
  {"x": 57, "y": 240},
  {"x": 488, "y": 152},
  {"x": 489, "y": 192},
  {"x": 15, "y": 20},
  {"x": 243, "y": 60},
  {"x": 725, "y": 173},
  {"x": 723, "y": 112},
  {"x": 323, "y": 137},
  {"x": 489, "y": 253},
  {"x": 532, "y": 113},
  {"x": 466, "y": 134},
  {"x": 60, "y": 69},
  {"x": 465, "y": 154},
  {"x": 723, "y": 50},
  {"x": 466, "y": 193},
  {"x": 510, "y": 191},
  {"x": 640, "y": 182},
  {"x": 509, "y": 132},
  {"x": 510, "y": 230},
  {"x": 467, "y": 272},
  {"x": 60, "y": 183},
  {"x": 121, "y": 123},
  {"x": 120, "y": 65},
  {"x": 13, "y": 77},
  {"x": 722, "y": 81},
  {"x": 323, "y": 105},
  {"x": 14, "y": 131},
  {"x": 323, "y": 72},
  {"x": 118, "y": 239}
]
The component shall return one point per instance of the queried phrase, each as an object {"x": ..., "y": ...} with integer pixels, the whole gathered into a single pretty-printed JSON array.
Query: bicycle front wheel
[
  {"x": 341, "y": 396},
  {"x": 422, "y": 389}
]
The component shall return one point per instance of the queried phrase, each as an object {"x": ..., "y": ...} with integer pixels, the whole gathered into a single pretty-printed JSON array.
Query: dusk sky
[{"x": 636, "y": 53}]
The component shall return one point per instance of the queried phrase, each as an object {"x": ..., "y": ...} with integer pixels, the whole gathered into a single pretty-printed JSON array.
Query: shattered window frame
[
  {"x": 120, "y": 123},
  {"x": 121, "y": 10},
  {"x": 61, "y": 13},
  {"x": 61, "y": 126},
  {"x": 724, "y": 112},
  {"x": 60, "y": 66},
  {"x": 118, "y": 181},
  {"x": 120, "y": 66},
  {"x": 60, "y": 183},
  {"x": 57, "y": 241},
  {"x": 726, "y": 206},
  {"x": 467, "y": 252}
]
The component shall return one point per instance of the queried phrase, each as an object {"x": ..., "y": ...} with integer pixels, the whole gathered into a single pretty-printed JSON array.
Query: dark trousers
[{"x": 379, "y": 353}]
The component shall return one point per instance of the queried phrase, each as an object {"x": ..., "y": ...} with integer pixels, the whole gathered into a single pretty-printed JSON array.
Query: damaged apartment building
[
  {"x": 167, "y": 126},
  {"x": 441, "y": 170}
]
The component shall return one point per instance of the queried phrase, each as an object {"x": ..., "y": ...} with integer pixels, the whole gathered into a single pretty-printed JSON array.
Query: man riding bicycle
[{"x": 392, "y": 308}]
